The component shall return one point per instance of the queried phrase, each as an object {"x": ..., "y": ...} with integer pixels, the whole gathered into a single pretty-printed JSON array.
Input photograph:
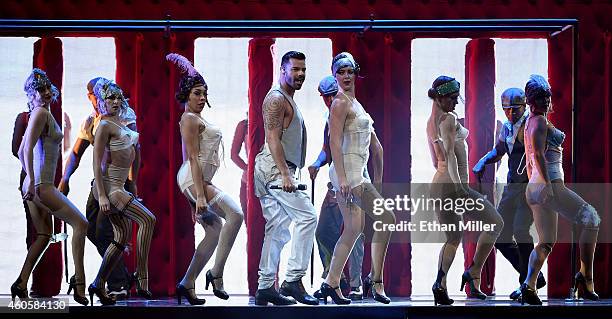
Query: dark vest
[{"x": 514, "y": 159}]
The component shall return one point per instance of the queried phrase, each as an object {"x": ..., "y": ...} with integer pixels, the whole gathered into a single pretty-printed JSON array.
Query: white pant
[{"x": 280, "y": 209}]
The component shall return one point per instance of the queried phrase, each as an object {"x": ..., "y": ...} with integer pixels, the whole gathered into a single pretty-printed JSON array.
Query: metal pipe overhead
[{"x": 453, "y": 25}]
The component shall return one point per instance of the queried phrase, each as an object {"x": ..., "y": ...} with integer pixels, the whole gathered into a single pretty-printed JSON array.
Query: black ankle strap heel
[
  {"x": 219, "y": 293},
  {"x": 328, "y": 291}
]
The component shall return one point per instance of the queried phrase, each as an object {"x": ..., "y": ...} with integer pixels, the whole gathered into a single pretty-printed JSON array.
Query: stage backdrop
[{"x": 142, "y": 72}]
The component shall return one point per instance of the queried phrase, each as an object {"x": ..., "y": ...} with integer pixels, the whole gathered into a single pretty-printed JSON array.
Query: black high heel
[
  {"x": 441, "y": 295},
  {"x": 475, "y": 292},
  {"x": 581, "y": 288},
  {"x": 368, "y": 284},
  {"x": 540, "y": 283},
  {"x": 17, "y": 291},
  {"x": 529, "y": 295},
  {"x": 144, "y": 293},
  {"x": 72, "y": 284},
  {"x": 219, "y": 293},
  {"x": 328, "y": 291},
  {"x": 105, "y": 300},
  {"x": 516, "y": 294},
  {"x": 183, "y": 291},
  {"x": 131, "y": 283}
]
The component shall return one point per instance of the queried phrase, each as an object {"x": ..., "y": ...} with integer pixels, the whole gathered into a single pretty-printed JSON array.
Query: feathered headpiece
[
  {"x": 104, "y": 89},
  {"x": 190, "y": 76},
  {"x": 182, "y": 63},
  {"x": 38, "y": 80}
]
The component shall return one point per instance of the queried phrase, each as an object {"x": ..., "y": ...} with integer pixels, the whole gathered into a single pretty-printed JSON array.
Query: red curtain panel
[
  {"x": 603, "y": 252},
  {"x": 183, "y": 240},
  {"x": 480, "y": 121},
  {"x": 260, "y": 82},
  {"x": 560, "y": 75},
  {"x": 396, "y": 53},
  {"x": 47, "y": 276}
]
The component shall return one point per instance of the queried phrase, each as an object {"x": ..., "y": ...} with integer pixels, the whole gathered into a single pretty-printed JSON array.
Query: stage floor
[
  {"x": 415, "y": 301},
  {"x": 241, "y": 306}
]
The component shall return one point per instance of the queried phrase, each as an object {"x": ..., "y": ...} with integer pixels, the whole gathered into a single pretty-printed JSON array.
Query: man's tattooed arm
[
  {"x": 274, "y": 111},
  {"x": 274, "y": 107}
]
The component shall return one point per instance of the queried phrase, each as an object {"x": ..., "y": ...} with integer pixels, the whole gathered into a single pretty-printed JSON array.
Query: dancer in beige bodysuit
[
  {"x": 446, "y": 139},
  {"x": 352, "y": 137},
  {"x": 201, "y": 141},
  {"x": 39, "y": 152},
  {"x": 120, "y": 205},
  {"x": 548, "y": 196}
]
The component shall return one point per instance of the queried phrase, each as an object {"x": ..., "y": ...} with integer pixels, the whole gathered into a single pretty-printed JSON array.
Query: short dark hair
[{"x": 292, "y": 55}]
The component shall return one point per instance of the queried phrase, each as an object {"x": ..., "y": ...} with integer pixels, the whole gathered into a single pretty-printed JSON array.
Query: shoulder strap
[
  {"x": 117, "y": 125},
  {"x": 348, "y": 97}
]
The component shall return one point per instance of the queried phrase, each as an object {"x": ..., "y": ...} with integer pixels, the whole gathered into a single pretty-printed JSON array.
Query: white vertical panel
[
  {"x": 15, "y": 66},
  {"x": 223, "y": 62},
  {"x": 430, "y": 59},
  {"x": 84, "y": 59}
]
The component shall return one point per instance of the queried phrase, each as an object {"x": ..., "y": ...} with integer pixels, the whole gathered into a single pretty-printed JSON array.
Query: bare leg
[
  {"x": 574, "y": 208},
  {"x": 449, "y": 249},
  {"x": 486, "y": 239},
  {"x": 380, "y": 239},
  {"x": 42, "y": 223},
  {"x": 546, "y": 225},
  {"x": 353, "y": 219},
  {"x": 65, "y": 210},
  {"x": 453, "y": 238},
  {"x": 447, "y": 255},
  {"x": 588, "y": 241}
]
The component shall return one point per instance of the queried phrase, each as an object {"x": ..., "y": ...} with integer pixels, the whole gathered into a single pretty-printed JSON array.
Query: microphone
[{"x": 301, "y": 187}]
